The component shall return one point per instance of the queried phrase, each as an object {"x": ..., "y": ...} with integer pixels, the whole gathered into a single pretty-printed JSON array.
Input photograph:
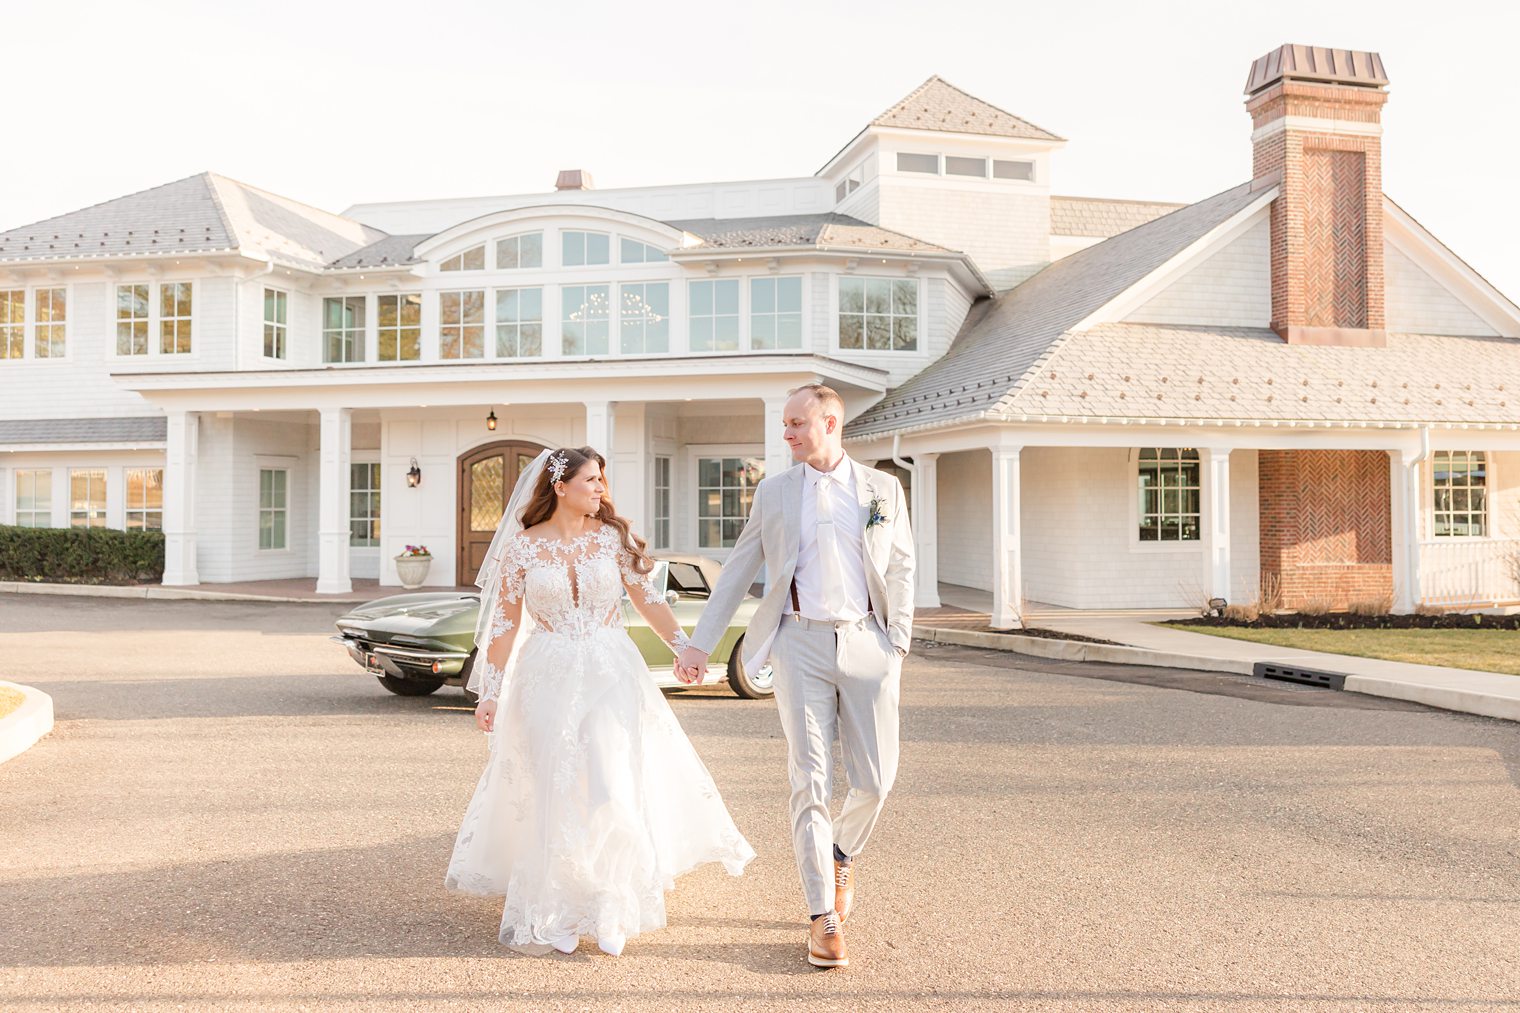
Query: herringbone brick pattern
[{"x": 1335, "y": 241}]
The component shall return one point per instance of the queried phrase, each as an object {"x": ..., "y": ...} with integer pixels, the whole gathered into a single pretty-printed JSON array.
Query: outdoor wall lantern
[
  {"x": 414, "y": 475},
  {"x": 491, "y": 420}
]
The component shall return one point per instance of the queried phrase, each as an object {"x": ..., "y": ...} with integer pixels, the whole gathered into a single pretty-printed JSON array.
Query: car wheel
[
  {"x": 409, "y": 687},
  {"x": 464, "y": 680},
  {"x": 746, "y": 685}
]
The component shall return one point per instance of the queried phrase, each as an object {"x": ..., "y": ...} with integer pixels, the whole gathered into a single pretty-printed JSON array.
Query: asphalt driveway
[{"x": 230, "y": 815}]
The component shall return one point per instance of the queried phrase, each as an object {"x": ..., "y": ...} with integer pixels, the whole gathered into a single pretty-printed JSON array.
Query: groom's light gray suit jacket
[{"x": 772, "y": 537}]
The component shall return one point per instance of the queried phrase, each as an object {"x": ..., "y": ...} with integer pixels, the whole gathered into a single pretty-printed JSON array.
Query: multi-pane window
[
  {"x": 725, "y": 490},
  {"x": 1169, "y": 497},
  {"x": 398, "y": 327},
  {"x": 131, "y": 319},
  {"x": 1461, "y": 493},
  {"x": 631, "y": 251},
  {"x": 343, "y": 329},
  {"x": 584, "y": 313},
  {"x": 850, "y": 183},
  {"x": 52, "y": 321},
  {"x": 473, "y": 259},
  {"x": 662, "y": 501},
  {"x": 364, "y": 504},
  {"x": 909, "y": 162},
  {"x": 514, "y": 252},
  {"x": 578, "y": 249},
  {"x": 775, "y": 313},
  {"x": 34, "y": 498},
  {"x": 462, "y": 324},
  {"x": 87, "y": 497},
  {"x": 275, "y": 306},
  {"x": 878, "y": 314},
  {"x": 713, "y": 308},
  {"x": 519, "y": 322},
  {"x": 12, "y": 323},
  {"x": 273, "y": 507},
  {"x": 174, "y": 318},
  {"x": 145, "y": 499},
  {"x": 645, "y": 326}
]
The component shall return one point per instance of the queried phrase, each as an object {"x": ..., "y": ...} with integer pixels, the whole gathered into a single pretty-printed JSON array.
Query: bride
[{"x": 593, "y": 800}]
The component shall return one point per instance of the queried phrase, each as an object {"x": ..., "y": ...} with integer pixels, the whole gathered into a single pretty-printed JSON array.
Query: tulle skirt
[{"x": 593, "y": 800}]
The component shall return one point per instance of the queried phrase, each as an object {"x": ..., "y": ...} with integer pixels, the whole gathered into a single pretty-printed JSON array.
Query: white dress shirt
[{"x": 845, "y": 537}]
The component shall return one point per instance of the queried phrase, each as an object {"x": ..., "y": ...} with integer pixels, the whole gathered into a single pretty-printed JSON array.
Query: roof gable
[
  {"x": 180, "y": 217},
  {"x": 939, "y": 105}
]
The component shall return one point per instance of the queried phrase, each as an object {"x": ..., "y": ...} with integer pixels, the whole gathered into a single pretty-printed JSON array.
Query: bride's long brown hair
[{"x": 541, "y": 507}]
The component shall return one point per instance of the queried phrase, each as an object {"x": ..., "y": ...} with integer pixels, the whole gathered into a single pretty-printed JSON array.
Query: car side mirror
[{"x": 671, "y": 598}]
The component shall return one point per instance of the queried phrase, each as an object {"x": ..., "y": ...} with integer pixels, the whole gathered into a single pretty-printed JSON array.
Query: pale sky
[{"x": 337, "y": 104}]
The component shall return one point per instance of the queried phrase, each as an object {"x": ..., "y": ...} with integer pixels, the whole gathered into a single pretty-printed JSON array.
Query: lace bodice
[{"x": 572, "y": 588}]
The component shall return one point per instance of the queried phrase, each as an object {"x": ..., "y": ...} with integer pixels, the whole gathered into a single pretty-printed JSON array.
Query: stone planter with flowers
[{"x": 412, "y": 566}]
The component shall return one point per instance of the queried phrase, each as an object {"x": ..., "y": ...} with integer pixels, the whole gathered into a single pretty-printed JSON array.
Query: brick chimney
[
  {"x": 573, "y": 179},
  {"x": 1316, "y": 114}
]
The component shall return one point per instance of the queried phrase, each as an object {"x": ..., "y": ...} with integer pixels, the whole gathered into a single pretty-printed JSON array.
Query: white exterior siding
[
  {"x": 1418, "y": 304},
  {"x": 1006, "y": 231},
  {"x": 1230, "y": 288},
  {"x": 232, "y": 452},
  {"x": 965, "y": 519}
]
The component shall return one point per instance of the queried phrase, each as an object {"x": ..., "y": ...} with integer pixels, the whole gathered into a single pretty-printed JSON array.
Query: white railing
[{"x": 1469, "y": 571}]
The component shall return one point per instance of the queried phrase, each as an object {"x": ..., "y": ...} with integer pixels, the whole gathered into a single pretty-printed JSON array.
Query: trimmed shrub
[{"x": 81, "y": 555}]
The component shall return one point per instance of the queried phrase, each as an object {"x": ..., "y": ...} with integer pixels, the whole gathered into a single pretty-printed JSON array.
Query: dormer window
[
  {"x": 959, "y": 165},
  {"x": 1013, "y": 170},
  {"x": 909, "y": 162},
  {"x": 473, "y": 259},
  {"x": 850, "y": 183},
  {"x": 517, "y": 252},
  {"x": 581, "y": 249},
  {"x": 631, "y": 251}
]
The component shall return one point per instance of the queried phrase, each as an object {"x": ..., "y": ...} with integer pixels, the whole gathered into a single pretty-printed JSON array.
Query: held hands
[
  {"x": 691, "y": 665},
  {"x": 485, "y": 715}
]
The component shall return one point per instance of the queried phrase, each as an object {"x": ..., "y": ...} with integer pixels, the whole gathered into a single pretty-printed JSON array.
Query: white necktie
[{"x": 828, "y": 549}]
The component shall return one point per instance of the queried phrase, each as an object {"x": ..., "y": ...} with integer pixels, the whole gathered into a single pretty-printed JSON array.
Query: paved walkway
[{"x": 1488, "y": 693}]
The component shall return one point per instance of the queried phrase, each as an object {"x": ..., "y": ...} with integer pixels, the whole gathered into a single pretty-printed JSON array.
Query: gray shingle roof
[
  {"x": 147, "y": 429},
  {"x": 939, "y": 105},
  {"x": 387, "y": 252},
  {"x": 1005, "y": 335},
  {"x": 1153, "y": 371},
  {"x": 1096, "y": 216},
  {"x": 833, "y": 230},
  {"x": 198, "y": 214}
]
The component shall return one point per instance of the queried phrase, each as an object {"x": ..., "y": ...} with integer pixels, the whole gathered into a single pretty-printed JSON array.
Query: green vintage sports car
[{"x": 415, "y": 643}]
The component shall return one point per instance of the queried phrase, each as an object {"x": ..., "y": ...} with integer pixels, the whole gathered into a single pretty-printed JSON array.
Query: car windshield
[{"x": 685, "y": 579}]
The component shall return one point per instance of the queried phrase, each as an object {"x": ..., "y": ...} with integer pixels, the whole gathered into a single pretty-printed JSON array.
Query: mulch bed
[
  {"x": 1034, "y": 631},
  {"x": 1343, "y": 621}
]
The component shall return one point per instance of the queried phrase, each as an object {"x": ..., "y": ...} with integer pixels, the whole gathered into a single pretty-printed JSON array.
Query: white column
[
  {"x": 599, "y": 415},
  {"x": 1007, "y": 542},
  {"x": 926, "y": 531},
  {"x": 335, "y": 450},
  {"x": 778, "y": 456},
  {"x": 1216, "y": 507},
  {"x": 181, "y": 454},
  {"x": 1406, "y": 537}
]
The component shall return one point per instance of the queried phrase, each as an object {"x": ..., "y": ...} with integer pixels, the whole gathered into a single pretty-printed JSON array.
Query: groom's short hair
[{"x": 828, "y": 398}]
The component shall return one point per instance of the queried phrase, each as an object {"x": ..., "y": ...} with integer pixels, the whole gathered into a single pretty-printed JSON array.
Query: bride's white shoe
[
  {"x": 610, "y": 944},
  {"x": 566, "y": 944}
]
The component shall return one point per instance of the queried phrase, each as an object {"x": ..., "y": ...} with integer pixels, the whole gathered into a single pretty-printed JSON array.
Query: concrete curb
[
  {"x": 1451, "y": 698},
  {"x": 155, "y": 591},
  {"x": 22, "y": 727}
]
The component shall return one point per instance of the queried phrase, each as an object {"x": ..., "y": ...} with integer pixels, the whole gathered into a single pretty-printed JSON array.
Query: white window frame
[
  {"x": 188, "y": 320},
  {"x": 695, "y": 453},
  {"x": 564, "y": 234},
  {"x": 518, "y": 323},
  {"x": 462, "y": 326},
  {"x": 359, "y": 334},
  {"x": 659, "y": 256},
  {"x": 748, "y": 341},
  {"x": 20, "y": 335},
  {"x": 656, "y": 517},
  {"x": 154, "y": 321},
  {"x": 741, "y": 338},
  {"x": 276, "y": 328},
  {"x": 939, "y": 163},
  {"x": 90, "y": 512},
  {"x": 1489, "y": 487},
  {"x": 36, "y": 323},
  {"x": 260, "y": 509},
  {"x": 518, "y": 237},
  {"x": 373, "y": 499},
  {"x": 834, "y": 310},
  {"x": 382, "y": 331},
  {"x": 642, "y": 324},
  {"x": 143, "y": 512},
  {"x": 1191, "y": 545},
  {"x": 612, "y": 319},
  {"x": 46, "y": 484},
  {"x": 446, "y": 266}
]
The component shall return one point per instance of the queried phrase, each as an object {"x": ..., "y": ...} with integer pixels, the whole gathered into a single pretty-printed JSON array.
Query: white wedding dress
[{"x": 593, "y": 800}]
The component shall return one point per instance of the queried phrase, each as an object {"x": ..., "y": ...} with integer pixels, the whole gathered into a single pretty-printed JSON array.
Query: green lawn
[
  {"x": 1483, "y": 650},
  {"x": 9, "y": 700}
]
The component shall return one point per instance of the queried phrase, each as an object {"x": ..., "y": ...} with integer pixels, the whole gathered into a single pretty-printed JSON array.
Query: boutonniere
[{"x": 876, "y": 516}]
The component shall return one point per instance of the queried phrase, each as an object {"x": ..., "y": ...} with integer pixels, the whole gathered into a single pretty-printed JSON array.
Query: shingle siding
[
  {"x": 1418, "y": 304},
  {"x": 1230, "y": 288}
]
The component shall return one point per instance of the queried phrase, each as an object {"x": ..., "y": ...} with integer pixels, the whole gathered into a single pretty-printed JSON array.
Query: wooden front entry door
[{"x": 486, "y": 477}]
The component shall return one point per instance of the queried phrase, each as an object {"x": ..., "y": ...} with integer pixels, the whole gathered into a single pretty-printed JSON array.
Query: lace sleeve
[
  {"x": 508, "y": 604},
  {"x": 514, "y": 570},
  {"x": 643, "y": 583}
]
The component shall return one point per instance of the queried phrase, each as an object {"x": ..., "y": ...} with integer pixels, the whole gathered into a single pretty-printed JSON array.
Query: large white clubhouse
[{"x": 1095, "y": 404}]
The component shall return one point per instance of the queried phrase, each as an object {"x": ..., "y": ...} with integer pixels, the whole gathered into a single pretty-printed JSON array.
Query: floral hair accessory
[{"x": 557, "y": 464}]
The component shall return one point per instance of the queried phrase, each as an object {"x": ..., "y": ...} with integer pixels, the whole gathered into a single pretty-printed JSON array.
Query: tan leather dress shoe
[
  {"x": 844, "y": 889},
  {"x": 826, "y": 942}
]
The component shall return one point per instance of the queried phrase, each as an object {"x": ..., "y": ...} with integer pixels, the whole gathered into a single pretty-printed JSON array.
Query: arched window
[{"x": 473, "y": 259}]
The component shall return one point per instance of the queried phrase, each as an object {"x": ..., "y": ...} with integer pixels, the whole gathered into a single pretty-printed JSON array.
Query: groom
[{"x": 836, "y": 622}]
